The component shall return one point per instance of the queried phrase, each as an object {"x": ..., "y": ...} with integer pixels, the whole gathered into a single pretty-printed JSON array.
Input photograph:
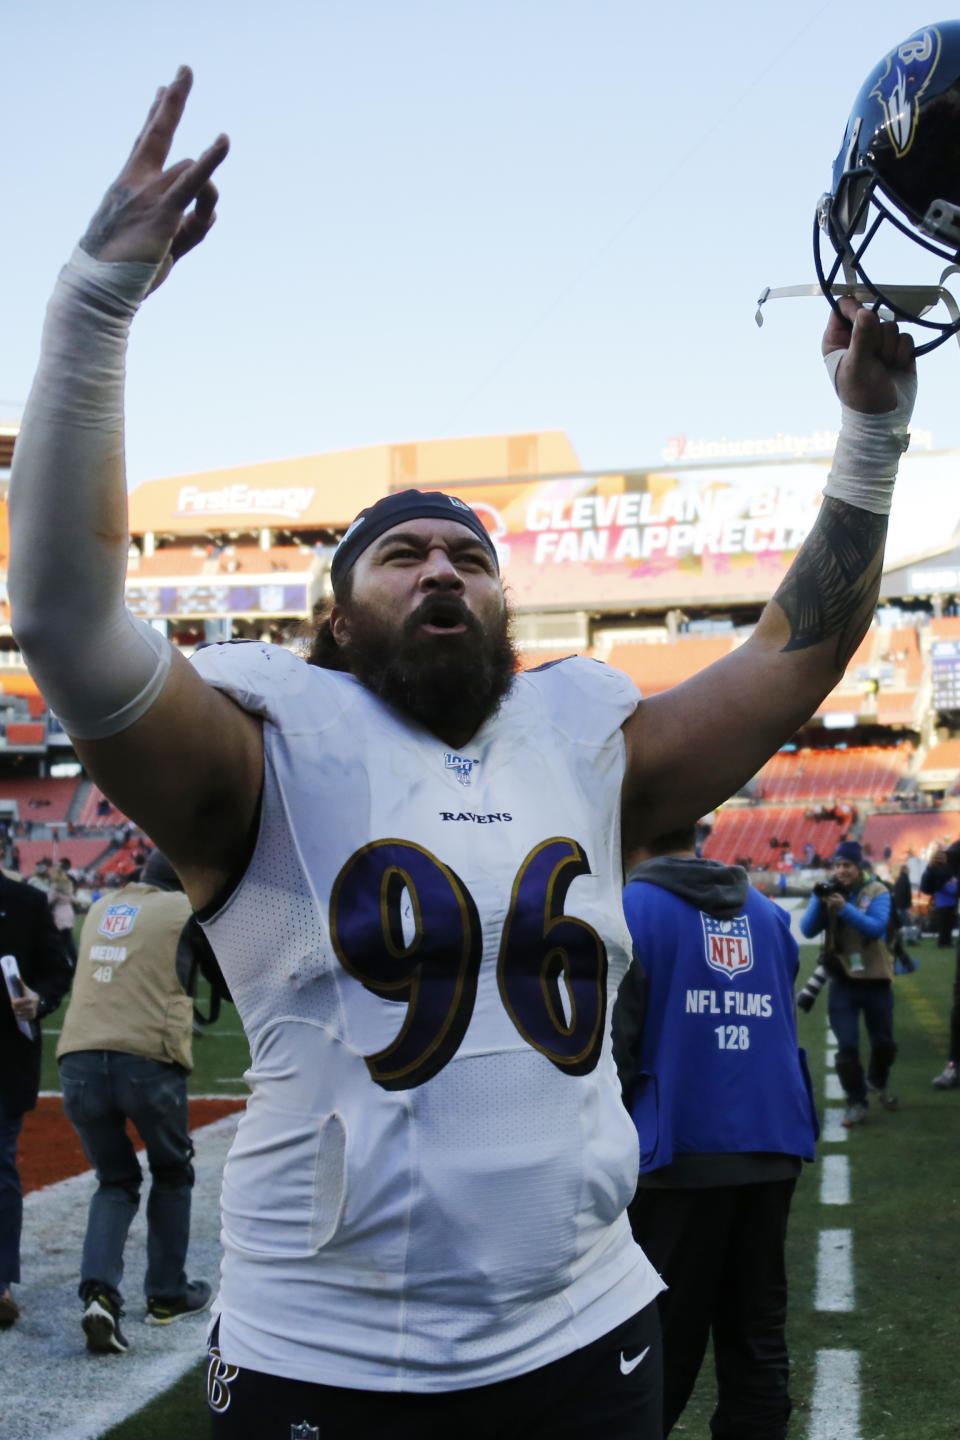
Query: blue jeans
[
  {"x": 11, "y": 1195},
  {"x": 101, "y": 1089},
  {"x": 848, "y": 1000}
]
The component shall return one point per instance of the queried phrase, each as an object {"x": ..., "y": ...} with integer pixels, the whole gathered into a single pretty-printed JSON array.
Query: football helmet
[{"x": 899, "y": 167}]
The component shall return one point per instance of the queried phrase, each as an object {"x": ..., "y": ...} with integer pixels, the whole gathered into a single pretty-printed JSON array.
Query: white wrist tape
[
  {"x": 869, "y": 446},
  {"x": 98, "y": 666}
]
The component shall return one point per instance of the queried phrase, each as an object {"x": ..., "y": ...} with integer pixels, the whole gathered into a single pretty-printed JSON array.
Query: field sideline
[{"x": 887, "y": 1366}]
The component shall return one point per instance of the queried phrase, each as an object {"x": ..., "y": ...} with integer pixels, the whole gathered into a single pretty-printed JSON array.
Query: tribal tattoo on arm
[{"x": 831, "y": 589}]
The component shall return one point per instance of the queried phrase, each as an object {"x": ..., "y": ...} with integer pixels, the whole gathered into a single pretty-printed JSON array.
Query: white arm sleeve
[
  {"x": 99, "y": 667},
  {"x": 869, "y": 446}
]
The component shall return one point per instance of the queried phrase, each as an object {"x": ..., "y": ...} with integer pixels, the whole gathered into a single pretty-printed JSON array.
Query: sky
[{"x": 442, "y": 218}]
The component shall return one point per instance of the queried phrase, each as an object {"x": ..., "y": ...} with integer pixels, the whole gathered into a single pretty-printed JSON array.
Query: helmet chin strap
[
  {"x": 898, "y": 302},
  {"x": 918, "y": 299}
]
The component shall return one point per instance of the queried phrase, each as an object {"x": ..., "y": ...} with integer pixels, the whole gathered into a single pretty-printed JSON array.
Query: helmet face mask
[{"x": 898, "y": 175}]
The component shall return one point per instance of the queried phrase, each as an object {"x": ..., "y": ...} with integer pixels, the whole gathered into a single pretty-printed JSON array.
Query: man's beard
[{"x": 450, "y": 684}]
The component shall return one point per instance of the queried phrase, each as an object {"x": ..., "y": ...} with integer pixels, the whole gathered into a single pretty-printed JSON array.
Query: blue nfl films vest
[{"x": 719, "y": 1069}]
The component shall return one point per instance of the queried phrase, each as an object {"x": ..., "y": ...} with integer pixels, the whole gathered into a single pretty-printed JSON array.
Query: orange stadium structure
[{"x": 655, "y": 668}]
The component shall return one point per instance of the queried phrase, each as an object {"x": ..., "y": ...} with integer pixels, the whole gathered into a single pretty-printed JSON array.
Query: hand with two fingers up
[{"x": 154, "y": 214}]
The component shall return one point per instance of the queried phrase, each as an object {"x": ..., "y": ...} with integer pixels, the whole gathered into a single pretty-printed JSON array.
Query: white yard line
[
  {"x": 48, "y": 1381},
  {"x": 835, "y": 1405},
  {"x": 834, "y": 1290},
  {"x": 834, "y": 1131},
  {"x": 834, "y": 1180}
]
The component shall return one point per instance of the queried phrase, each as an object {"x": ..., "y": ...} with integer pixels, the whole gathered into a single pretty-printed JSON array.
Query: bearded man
[{"x": 409, "y": 866}]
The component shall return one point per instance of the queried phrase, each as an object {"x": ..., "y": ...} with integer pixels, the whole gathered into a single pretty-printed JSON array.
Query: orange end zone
[{"x": 49, "y": 1149}]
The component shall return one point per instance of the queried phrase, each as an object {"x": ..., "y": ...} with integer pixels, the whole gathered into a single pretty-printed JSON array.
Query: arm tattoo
[
  {"x": 104, "y": 223},
  {"x": 831, "y": 588}
]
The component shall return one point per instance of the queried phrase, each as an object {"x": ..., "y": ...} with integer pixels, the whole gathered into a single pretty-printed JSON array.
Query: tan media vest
[
  {"x": 851, "y": 946},
  {"x": 126, "y": 995}
]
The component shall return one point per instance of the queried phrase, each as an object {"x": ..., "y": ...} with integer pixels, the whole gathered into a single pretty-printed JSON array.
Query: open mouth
[{"x": 444, "y": 617}]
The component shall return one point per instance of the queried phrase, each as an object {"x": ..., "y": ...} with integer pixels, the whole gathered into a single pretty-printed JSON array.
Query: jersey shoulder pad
[
  {"x": 264, "y": 679},
  {"x": 584, "y": 698}
]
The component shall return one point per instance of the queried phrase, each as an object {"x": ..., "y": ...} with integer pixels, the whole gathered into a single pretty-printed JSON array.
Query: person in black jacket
[
  {"x": 944, "y": 866},
  {"x": 28, "y": 933}
]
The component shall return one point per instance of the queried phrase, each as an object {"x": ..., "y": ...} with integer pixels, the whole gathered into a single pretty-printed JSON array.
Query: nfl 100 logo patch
[
  {"x": 462, "y": 767},
  {"x": 728, "y": 946},
  {"x": 118, "y": 920}
]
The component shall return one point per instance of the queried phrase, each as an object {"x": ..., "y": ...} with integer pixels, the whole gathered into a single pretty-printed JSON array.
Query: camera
[
  {"x": 823, "y": 888},
  {"x": 807, "y": 996}
]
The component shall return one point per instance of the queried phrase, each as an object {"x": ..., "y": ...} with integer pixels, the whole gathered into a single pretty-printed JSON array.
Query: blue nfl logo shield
[
  {"x": 118, "y": 920},
  {"x": 728, "y": 946}
]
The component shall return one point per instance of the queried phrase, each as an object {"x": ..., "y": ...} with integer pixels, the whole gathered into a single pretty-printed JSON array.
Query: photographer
[{"x": 854, "y": 917}]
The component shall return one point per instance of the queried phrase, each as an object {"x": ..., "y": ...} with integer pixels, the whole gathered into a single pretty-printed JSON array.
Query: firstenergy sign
[{"x": 288, "y": 502}]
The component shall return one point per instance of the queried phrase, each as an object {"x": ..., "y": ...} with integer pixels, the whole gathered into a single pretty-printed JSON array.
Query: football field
[{"x": 871, "y": 1253}]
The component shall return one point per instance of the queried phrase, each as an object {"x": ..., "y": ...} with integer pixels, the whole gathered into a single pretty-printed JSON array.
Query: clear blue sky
[{"x": 445, "y": 218}]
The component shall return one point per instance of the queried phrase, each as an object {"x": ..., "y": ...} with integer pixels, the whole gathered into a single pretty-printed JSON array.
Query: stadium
[{"x": 658, "y": 571}]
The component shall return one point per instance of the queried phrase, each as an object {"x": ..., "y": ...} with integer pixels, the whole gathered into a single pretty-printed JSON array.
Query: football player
[{"x": 424, "y": 1209}]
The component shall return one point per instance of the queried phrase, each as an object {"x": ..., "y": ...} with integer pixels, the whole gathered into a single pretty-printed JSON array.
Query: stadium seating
[
  {"x": 81, "y": 853},
  {"x": 88, "y": 816},
  {"x": 747, "y": 832},
  {"x": 914, "y": 833},
  {"x": 869, "y": 772},
  {"x": 43, "y": 801}
]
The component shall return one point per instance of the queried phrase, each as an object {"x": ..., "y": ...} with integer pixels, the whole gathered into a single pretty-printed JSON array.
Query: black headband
[{"x": 393, "y": 510}]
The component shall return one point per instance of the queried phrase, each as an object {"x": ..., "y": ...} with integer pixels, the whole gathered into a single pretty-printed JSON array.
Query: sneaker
[
  {"x": 888, "y": 1101},
  {"x": 197, "y": 1298},
  {"x": 855, "y": 1113},
  {"x": 950, "y": 1079},
  {"x": 9, "y": 1309},
  {"x": 101, "y": 1325}
]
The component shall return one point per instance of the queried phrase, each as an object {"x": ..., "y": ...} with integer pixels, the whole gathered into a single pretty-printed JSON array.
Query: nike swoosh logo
[{"x": 627, "y": 1365}]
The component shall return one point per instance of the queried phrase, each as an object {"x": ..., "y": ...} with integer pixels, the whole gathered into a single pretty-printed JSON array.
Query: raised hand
[
  {"x": 154, "y": 214},
  {"x": 878, "y": 363}
]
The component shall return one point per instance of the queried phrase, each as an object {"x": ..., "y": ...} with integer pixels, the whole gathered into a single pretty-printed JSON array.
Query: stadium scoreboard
[{"x": 945, "y": 658}]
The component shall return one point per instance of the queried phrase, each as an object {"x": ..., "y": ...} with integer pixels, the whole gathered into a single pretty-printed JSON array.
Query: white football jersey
[{"x": 427, "y": 1189}]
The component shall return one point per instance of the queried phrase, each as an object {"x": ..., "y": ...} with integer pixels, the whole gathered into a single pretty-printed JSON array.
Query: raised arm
[
  {"x": 696, "y": 745},
  {"x": 174, "y": 754}
]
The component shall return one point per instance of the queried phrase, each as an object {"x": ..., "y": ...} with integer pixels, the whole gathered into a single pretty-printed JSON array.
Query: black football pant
[
  {"x": 609, "y": 1390},
  {"x": 721, "y": 1252},
  {"x": 955, "y": 1013},
  {"x": 946, "y": 919}
]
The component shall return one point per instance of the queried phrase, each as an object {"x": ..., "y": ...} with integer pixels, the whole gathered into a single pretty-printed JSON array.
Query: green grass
[
  {"x": 220, "y": 1053},
  {"x": 905, "y": 1175}
]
